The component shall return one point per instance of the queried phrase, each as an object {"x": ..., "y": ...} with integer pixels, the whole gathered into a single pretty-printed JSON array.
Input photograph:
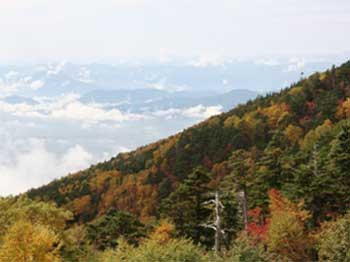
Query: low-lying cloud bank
[
  {"x": 198, "y": 112},
  {"x": 27, "y": 164},
  {"x": 53, "y": 137},
  {"x": 68, "y": 107}
]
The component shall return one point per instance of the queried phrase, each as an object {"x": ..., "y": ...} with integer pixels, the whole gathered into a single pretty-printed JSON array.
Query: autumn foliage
[{"x": 288, "y": 153}]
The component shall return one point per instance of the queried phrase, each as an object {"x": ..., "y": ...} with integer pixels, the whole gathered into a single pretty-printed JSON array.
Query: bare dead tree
[
  {"x": 315, "y": 157},
  {"x": 216, "y": 225},
  {"x": 242, "y": 195}
]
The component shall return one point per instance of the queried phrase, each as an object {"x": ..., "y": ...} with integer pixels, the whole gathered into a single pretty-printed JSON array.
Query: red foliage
[
  {"x": 258, "y": 226},
  {"x": 171, "y": 178},
  {"x": 347, "y": 91},
  {"x": 254, "y": 214},
  {"x": 288, "y": 108},
  {"x": 207, "y": 162},
  {"x": 311, "y": 107},
  {"x": 257, "y": 231},
  {"x": 228, "y": 149}
]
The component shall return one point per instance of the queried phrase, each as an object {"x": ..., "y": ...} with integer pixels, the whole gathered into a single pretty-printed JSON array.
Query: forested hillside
[{"x": 287, "y": 153}]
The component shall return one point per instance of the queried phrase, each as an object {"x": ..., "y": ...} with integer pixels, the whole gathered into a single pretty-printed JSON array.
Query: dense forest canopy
[{"x": 279, "y": 163}]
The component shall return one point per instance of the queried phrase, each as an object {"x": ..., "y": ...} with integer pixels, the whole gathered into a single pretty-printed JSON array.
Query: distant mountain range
[
  {"x": 145, "y": 100},
  {"x": 151, "y": 87},
  {"x": 59, "y": 78}
]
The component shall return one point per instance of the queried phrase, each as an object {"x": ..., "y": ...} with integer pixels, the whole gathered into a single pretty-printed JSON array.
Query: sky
[
  {"x": 86, "y": 31},
  {"x": 209, "y": 42}
]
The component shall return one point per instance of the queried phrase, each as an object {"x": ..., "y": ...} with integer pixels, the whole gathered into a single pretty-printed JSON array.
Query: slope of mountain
[{"x": 276, "y": 138}]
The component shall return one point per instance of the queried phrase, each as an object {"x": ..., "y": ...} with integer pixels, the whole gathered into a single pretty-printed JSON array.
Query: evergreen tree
[
  {"x": 269, "y": 175},
  {"x": 339, "y": 167},
  {"x": 105, "y": 232},
  {"x": 242, "y": 168},
  {"x": 186, "y": 208}
]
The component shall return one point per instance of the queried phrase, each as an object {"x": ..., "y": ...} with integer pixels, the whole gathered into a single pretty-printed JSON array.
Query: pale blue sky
[{"x": 97, "y": 30}]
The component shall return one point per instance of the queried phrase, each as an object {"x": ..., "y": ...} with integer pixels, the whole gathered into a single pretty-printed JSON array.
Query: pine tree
[
  {"x": 185, "y": 207},
  {"x": 242, "y": 168},
  {"x": 339, "y": 165},
  {"x": 104, "y": 232}
]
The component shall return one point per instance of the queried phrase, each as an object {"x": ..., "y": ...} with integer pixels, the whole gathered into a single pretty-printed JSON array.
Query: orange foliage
[
  {"x": 283, "y": 232},
  {"x": 132, "y": 195},
  {"x": 163, "y": 233},
  {"x": 343, "y": 110},
  {"x": 280, "y": 205},
  {"x": 163, "y": 149},
  {"x": 82, "y": 204},
  {"x": 219, "y": 170},
  {"x": 276, "y": 113},
  {"x": 286, "y": 234}
]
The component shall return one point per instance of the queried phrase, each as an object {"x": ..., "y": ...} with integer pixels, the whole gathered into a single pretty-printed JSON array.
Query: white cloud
[
  {"x": 296, "y": 64},
  {"x": 202, "y": 111},
  {"x": 162, "y": 84},
  {"x": 6, "y": 89},
  {"x": 11, "y": 75},
  {"x": 55, "y": 69},
  {"x": 68, "y": 108},
  {"x": 13, "y": 82},
  {"x": 21, "y": 110},
  {"x": 198, "y": 112},
  {"x": 31, "y": 164},
  {"x": 207, "y": 60},
  {"x": 268, "y": 62},
  {"x": 90, "y": 114},
  {"x": 35, "y": 85},
  {"x": 84, "y": 76}
]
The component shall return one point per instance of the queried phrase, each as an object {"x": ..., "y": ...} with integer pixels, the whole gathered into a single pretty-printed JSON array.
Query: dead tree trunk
[
  {"x": 217, "y": 223},
  {"x": 244, "y": 205}
]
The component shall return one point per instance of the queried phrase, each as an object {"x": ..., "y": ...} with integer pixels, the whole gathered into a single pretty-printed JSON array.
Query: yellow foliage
[
  {"x": 22, "y": 208},
  {"x": 323, "y": 76},
  {"x": 296, "y": 91},
  {"x": 275, "y": 113},
  {"x": 98, "y": 182},
  {"x": 343, "y": 110},
  {"x": 313, "y": 135},
  {"x": 333, "y": 240},
  {"x": 27, "y": 242},
  {"x": 214, "y": 121},
  {"x": 293, "y": 133},
  {"x": 232, "y": 121},
  {"x": 250, "y": 122},
  {"x": 163, "y": 233},
  {"x": 286, "y": 234}
]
